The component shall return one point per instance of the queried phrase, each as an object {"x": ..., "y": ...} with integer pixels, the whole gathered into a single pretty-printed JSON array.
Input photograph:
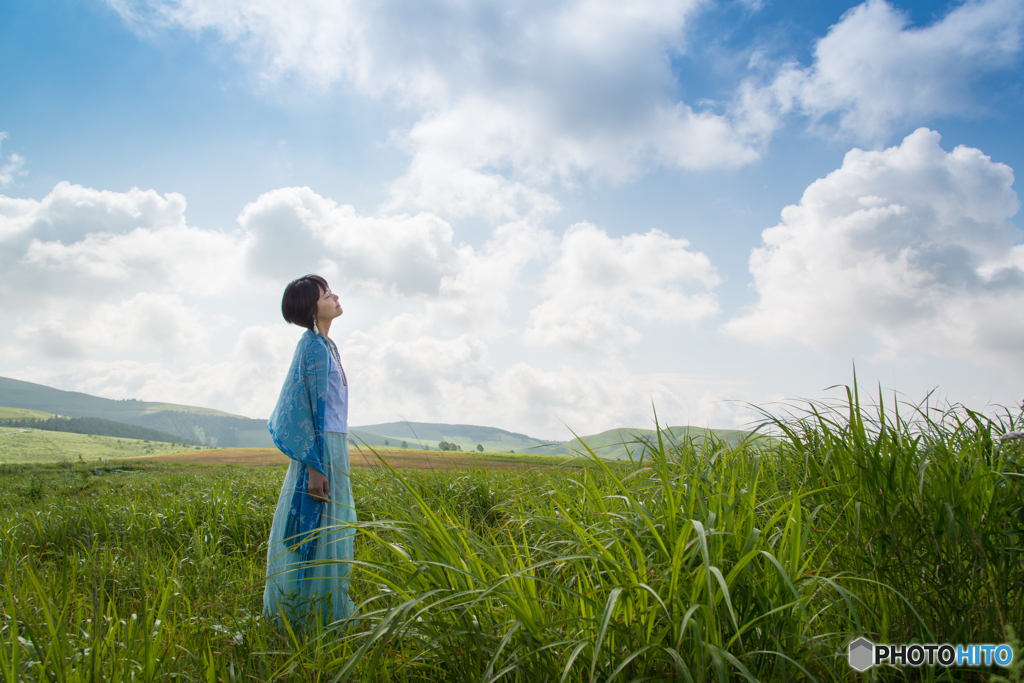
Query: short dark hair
[{"x": 298, "y": 305}]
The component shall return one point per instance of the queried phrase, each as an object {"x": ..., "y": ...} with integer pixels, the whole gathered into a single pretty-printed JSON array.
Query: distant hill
[
  {"x": 39, "y": 446},
  {"x": 216, "y": 428},
  {"x": 224, "y": 431},
  {"x": 617, "y": 444},
  {"x": 418, "y": 434},
  {"x": 614, "y": 444},
  {"x": 18, "y": 394},
  {"x": 22, "y": 413},
  {"x": 203, "y": 425},
  {"x": 96, "y": 426}
]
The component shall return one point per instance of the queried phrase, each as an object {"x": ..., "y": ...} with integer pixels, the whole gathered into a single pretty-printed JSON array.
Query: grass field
[
  {"x": 362, "y": 457},
  {"x": 703, "y": 562},
  {"x": 39, "y": 446},
  {"x": 22, "y": 413}
]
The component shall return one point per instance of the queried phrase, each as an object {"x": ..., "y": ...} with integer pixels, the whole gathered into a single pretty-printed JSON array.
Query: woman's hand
[{"x": 319, "y": 489}]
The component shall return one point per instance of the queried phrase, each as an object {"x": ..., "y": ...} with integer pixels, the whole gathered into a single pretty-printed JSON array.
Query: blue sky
[{"x": 538, "y": 214}]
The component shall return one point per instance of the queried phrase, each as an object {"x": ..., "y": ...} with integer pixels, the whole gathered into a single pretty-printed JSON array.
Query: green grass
[
  {"x": 698, "y": 561},
  {"x": 22, "y": 413},
  {"x": 39, "y": 446}
]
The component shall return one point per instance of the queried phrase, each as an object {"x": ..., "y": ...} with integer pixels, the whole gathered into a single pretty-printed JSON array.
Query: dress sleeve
[{"x": 316, "y": 367}]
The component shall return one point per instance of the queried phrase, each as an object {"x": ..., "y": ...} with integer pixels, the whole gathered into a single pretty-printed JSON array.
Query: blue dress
[{"x": 311, "y": 543}]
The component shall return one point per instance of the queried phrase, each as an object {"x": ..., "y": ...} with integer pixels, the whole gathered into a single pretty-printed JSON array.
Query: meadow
[
  {"x": 362, "y": 456},
  {"x": 698, "y": 560},
  {"x": 36, "y": 446}
]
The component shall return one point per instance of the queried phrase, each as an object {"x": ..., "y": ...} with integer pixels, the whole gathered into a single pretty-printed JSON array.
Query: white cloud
[
  {"x": 295, "y": 230},
  {"x": 873, "y": 69},
  {"x": 81, "y": 243},
  {"x": 508, "y": 97},
  {"x": 460, "y": 151},
  {"x": 398, "y": 371},
  {"x": 910, "y": 245},
  {"x": 247, "y": 383},
  {"x": 11, "y": 169},
  {"x": 95, "y": 245},
  {"x": 183, "y": 259},
  {"x": 476, "y": 299},
  {"x": 14, "y": 218},
  {"x": 160, "y": 324},
  {"x": 600, "y": 282},
  {"x": 70, "y": 212}
]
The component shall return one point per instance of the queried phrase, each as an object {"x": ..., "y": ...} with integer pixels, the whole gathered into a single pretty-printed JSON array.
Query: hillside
[
  {"x": 38, "y": 446},
  {"x": 22, "y": 414},
  {"x": 96, "y": 426},
  {"x": 203, "y": 425},
  {"x": 18, "y": 394},
  {"x": 224, "y": 430},
  {"x": 418, "y": 434},
  {"x": 617, "y": 444}
]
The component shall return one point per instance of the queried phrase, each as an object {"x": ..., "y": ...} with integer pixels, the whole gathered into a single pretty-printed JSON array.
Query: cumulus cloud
[
  {"x": 68, "y": 328},
  {"x": 910, "y": 245},
  {"x": 247, "y": 382},
  {"x": 70, "y": 212},
  {"x": 98, "y": 244},
  {"x": 399, "y": 371},
  {"x": 294, "y": 229},
  {"x": 476, "y": 299},
  {"x": 599, "y": 282},
  {"x": 507, "y": 98},
  {"x": 10, "y": 170},
  {"x": 874, "y": 69},
  {"x": 90, "y": 244}
]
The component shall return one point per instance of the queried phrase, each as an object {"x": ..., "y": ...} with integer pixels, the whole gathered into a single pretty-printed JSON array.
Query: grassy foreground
[{"x": 700, "y": 562}]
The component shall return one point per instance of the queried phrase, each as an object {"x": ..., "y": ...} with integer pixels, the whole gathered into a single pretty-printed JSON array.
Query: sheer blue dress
[{"x": 310, "y": 550}]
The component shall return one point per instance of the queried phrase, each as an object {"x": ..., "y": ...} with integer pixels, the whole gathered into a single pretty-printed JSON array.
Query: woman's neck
[{"x": 323, "y": 327}]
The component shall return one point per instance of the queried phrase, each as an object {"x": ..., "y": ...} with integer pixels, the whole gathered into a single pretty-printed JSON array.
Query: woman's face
[{"x": 328, "y": 307}]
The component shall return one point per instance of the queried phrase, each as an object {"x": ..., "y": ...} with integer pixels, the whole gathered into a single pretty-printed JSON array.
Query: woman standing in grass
[{"x": 311, "y": 540}]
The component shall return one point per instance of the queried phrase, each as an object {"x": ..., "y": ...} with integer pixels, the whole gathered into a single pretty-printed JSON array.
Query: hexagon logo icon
[{"x": 861, "y": 654}]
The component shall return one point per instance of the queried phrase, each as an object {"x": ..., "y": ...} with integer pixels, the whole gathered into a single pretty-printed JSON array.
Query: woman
[{"x": 312, "y": 536}]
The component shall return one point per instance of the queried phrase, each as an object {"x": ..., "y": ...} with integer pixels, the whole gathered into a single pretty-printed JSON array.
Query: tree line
[{"x": 96, "y": 426}]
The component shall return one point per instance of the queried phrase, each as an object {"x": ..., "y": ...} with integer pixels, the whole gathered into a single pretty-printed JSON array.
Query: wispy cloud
[
  {"x": 12, "y": 169},
  {"x": 873, "y": 69}
]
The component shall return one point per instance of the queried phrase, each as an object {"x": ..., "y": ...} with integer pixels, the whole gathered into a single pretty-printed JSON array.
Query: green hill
[
  {"x": 96, "y": 426},
  {"x": 22, "y": 413},
  {"x": 203, "y": 425},
  {"x": 18, "y": 394},
  {"x": 616, "y": 444},
  {"x": 612, "y": 444},
  {"x": 39, "y": 446},
  {"x": 419, "y": 434},
  {"x": 225, "y": 431},
  {"x": 216, "y": 428}
]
